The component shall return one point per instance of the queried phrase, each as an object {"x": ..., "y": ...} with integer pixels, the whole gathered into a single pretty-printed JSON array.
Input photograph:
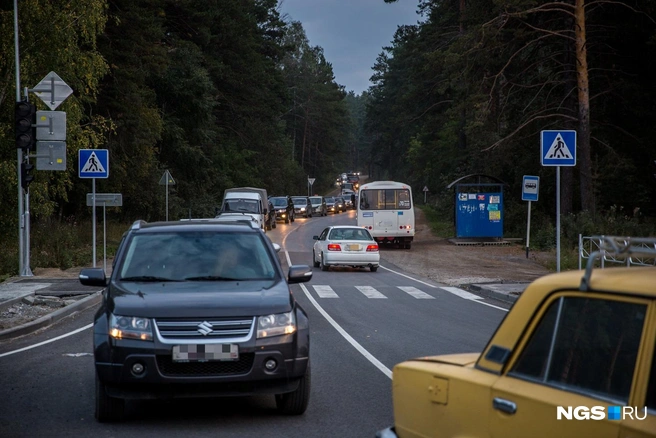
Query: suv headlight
[
  {"x": 130, "y": 327},
  {"x": 275, "y": 325}
]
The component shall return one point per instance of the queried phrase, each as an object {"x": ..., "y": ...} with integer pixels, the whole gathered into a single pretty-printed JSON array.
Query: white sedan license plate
[
  {"x": 205, "y": 352},
  {"x": 355, "y": 247}
]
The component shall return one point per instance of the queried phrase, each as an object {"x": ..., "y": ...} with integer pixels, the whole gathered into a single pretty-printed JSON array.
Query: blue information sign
[
  {"x": 530, "y": 188},
  {"x": 93, "y": 163},
  {"x": 558, "y": 148}
]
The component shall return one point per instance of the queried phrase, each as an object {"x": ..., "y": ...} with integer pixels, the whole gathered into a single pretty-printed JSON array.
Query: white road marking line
[
  {"x": 462, "y": 293},
  {"x": 471, "y": 297},
  {"x": 325, "y": 291},
  {"x": 430, "y": 285},
  {"x": 370, "y": 292},
  {"x": 378, "y": 364},
  {"x": 88, "y": 326},
  {"x": 413, "y": 291}
]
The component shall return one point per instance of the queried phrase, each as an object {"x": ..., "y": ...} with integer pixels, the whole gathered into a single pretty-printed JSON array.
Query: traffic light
[
  {"x": 26, "y": 174},
  {"x": 25, "y": 125}
]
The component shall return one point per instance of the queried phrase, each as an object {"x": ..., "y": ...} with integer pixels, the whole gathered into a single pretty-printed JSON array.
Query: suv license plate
[{"x": 205, "y": 352}]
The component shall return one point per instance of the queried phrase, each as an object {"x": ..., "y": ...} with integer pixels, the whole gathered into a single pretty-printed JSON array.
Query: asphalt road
[{"x": 362, "y": 323}]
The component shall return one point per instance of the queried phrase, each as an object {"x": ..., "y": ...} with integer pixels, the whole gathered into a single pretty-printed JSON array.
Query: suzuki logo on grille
[{"x": 205, "y": 328}]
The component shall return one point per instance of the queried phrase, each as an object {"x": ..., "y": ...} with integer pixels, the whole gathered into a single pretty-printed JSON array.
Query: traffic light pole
[{"x": 19, "y": 151}]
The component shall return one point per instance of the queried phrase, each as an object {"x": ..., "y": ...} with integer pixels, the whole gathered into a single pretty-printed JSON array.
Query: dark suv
[
  {"x": 199, "y": 309},
  {"x": 284, "y": 208}
]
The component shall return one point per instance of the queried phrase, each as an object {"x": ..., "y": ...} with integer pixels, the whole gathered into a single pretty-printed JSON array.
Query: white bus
[{"x": 385, "y": 209}]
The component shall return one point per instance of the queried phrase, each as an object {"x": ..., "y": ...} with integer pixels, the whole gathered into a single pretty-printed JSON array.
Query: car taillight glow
[
  {"x": 334, "y": 247},
  {"x": 404, "y": 227},
  {"x": 372, "y": 247}
]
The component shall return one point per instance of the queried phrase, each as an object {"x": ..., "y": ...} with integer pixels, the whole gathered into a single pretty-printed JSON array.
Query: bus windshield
[{"x": 385, "y": 199}]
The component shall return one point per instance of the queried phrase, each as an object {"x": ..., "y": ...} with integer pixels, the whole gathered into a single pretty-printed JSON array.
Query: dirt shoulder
[{"x": 444, "y": 262}]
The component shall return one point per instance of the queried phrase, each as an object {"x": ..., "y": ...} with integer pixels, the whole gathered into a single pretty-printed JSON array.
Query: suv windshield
[
  {"x": 197, "y": 256},
  {"x": 301, "y": 201},
  {"x": 315, "y": 201},
  {"x": 330, "y": 200}
]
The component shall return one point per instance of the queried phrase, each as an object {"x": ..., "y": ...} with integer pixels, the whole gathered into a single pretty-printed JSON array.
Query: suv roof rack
[
  {"x": 138, "y": 224},
  {"x": 250, "y": 222},
  {"x": 618, "y": 246}
]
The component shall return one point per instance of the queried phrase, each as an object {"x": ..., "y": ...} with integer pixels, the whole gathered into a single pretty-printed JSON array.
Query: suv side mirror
[
  {"x": 93, "y": 277},
  {"x": 299, "y": 274}
]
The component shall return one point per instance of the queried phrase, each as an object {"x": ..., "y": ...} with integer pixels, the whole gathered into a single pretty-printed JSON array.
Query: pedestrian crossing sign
[
  {"x": 558, "y": 148},
  {"x": 93, "y": 163}
]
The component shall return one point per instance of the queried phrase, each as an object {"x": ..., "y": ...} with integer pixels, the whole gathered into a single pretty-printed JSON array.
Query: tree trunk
[
  {"x": 583, "y": 138},
  {"x": 304, "y": 140}
]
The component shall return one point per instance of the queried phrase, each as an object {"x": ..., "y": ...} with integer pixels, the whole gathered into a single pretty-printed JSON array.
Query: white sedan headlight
[
  {"x": 130, "y": 327},
  {"x": 275, "y": 325}
]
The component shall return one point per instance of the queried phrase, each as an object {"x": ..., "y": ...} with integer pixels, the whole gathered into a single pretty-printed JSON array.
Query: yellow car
[{"x": 574, "y": 358}]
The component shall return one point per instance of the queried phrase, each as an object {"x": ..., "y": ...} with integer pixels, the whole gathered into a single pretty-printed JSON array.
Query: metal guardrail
[{"x": 628, "y": 251}]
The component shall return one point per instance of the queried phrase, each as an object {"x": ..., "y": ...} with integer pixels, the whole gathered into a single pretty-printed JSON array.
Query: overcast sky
[{"x": 351, "y": 32}]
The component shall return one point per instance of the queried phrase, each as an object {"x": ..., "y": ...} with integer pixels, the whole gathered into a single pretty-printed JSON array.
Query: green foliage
[{"x": 440, "y": 221}]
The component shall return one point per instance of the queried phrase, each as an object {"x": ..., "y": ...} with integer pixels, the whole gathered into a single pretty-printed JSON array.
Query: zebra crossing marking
[
  {"x": 370, "y": 292},
  {"x": 325, "y": 291},
  {"x": 462, "y": 293},
  {"x": 413, "y": 291}
]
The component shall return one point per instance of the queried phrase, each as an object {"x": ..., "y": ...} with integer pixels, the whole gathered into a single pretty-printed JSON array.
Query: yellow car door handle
[{"x": 504, "y": 405}]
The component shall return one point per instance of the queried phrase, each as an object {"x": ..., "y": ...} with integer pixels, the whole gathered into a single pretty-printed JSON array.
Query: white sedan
[{"x": 344, "y": 245}]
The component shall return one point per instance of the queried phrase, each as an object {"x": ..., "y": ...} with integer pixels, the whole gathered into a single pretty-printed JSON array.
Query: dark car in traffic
[
  {"x": 330, "y": 205},
  {"x": 199, "y": 309},
  {"x": 319, "y": 205},
  {"x": 284, "y": 208},
  {"x": 302, "y": 206},
  {"x": 340, "y": 204}
]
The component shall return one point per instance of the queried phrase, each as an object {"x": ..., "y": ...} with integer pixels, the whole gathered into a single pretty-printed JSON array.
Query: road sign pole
[
  {"x": 104, "y": 237},
  {"x": 27, "y": 272},
  {"x": 19, "y": 151},
  {"x": 167, "y": 199},
  {"x": 557, "y": 218},
  {"x": 93, "y": 208},
  {"x": 528, "y": 228}
]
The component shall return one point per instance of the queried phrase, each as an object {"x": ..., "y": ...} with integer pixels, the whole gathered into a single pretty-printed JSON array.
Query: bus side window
[{"x": 363, "y": 202}]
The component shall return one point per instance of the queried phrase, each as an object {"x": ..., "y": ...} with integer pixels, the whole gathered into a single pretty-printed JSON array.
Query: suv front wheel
[
  {"x": 107, "y": 408},
  {"x": 295, "y": 402}
]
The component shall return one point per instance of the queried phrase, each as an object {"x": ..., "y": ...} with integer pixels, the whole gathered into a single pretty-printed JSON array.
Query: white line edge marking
[
  {"x": 378, "y": 364},
  {"x": 88, "y": 326}
]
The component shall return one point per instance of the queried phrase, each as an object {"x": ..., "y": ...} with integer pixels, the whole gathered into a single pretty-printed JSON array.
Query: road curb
[
  {"x": 52, "y": 318},
  {"x": 488, "y": 292}
]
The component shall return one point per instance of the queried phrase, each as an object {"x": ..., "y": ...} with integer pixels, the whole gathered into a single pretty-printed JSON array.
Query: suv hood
[{"x": 199, "y": 298}]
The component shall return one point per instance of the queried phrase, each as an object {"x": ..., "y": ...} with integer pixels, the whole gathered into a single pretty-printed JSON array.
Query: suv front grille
[
  {"x": 214, "y": 368},
  {"x": 212, "y": 328}
]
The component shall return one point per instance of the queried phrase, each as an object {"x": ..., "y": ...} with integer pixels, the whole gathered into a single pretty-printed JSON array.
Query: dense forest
[
  {"x": 219, "y": 93},
  {"x": 232, "y": 93},
  {"x": 469, "y": 89}
]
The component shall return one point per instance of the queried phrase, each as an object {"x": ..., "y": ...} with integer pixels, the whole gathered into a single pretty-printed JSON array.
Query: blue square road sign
[
  {"x": 530, "y": 188},
  {"x": 93, "y": 163},
  {"x": 558, "y": 148}
]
